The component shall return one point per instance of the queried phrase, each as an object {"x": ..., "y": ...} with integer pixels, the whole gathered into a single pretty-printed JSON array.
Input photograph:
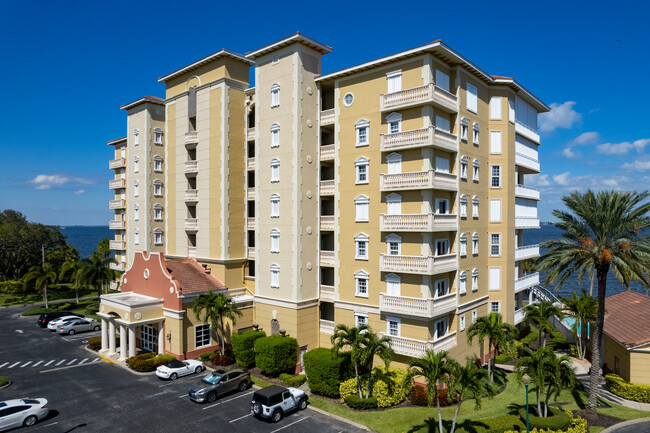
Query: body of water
[{"x": 86, "y": 238}]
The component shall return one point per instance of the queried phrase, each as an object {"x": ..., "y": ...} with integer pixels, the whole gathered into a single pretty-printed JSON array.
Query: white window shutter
[
  {"x": 442, "y": 80},
  {"x": 495, "y": 278},
  {"x": 442, "y": 164},
  {"x": 472, "y": 98},
  {"x": 495, "y": 108},
  {"x": 495, "y": 141},
  {"x": 442, "y": 123},
  {"x": 495, "y": 211},
  {"x": 511, "y": 110}
]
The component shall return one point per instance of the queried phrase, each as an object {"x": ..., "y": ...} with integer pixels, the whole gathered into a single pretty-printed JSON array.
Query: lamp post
[{"x": 526, "y": 380}]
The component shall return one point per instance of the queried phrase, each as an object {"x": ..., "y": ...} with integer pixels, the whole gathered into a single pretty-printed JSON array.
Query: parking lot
[{"x": 85, "y": 393}]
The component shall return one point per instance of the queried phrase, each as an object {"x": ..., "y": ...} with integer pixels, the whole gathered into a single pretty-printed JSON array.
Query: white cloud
[
  {"x": 587, "y": 138},
  {"x": 637, "y": 165},
  {"x": 47, "y": 181},
  {"x": 80, "y": 192},
  {"x": 624, "y": 147},
  {"x": 560, "y": 116},
  {"x": 568, "y": 153},
  {"x": 562, "y": 179},
  {"x": 538, "y": 180}
]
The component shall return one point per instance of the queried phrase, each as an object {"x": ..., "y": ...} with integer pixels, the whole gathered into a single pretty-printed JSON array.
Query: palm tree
[
  {"x": 434, "y": 368},
  {"x": 535, "y": 363},
  {"x": 70, "y": 271},
  {"x": 355, "y": 338},
  {"x": 583, "y": 309},
  {"x": 496, "y": 331},
  {"x": 540, "y": 313},
  {"x": 42, "y": 275},
  {"x": 215, "y": 307},
  {"x": 601, "y": 231},
  {"x": 379, "y": 346},
  {"x": 95, "y": 270},
  {"x": 466, "y": 381},
  {"x": 560, "y": 375}
]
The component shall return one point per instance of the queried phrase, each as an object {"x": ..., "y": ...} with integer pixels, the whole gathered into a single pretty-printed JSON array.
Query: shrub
[
  {"x": 243, "y": 345},
  {"x": 147, "y": 362},
  {"x": 4, "y": 380},
  {"x": 559, "y": 342},
  {"x": 419, "y": 396},
  {"x": 360, "y": 403},
  {"x": 325, "y": 371},
  {"x": 533, "y": 335},
  {"x": 556, "y": 420},
  {"x": 576, "y": 425},
  {"x": 294, "y": 381},
  {"x": 205, "y": 356},
  {"x": 276, "y": 354},
  {"x": 619, "y": 386},
  {"x": 12, "y": 287},
  {"x": 95, "y": 343},
  {"x": 92, "y": 308},
  {"x": 222, "y": 360},
  {"x": 509, "y": 351},
  {"x": 388, "y": 387},
  {"x": 38, "y": 311}
]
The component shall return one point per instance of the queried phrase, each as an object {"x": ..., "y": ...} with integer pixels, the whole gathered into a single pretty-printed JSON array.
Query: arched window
[
  {"x": 476, "y": 165},
  {"x": 157, "y": 136},
  {"x": 463, "y": 128},
  {"x": 136, "y": 164},
  {"x": 275, "y": 95},
  {"x": 275, "y": 241},
  {"x": 275, "y": 135},
  {"x": 475, "y": 128},
  {"x": 136, "y": 213},
  {"x": 463, "y": 244},
  {"x": 275, "y": 170},
  {"x": 275, "y": 205},
  {"x": 475, "y": 206},
  {"x": 463, "y": 206},
  {"x": 463, "y": 283},
  {"x": 275, "y": 276},
  {"x": 158, "y": 236},
  {"x": 463, "y": 167},
  {"x": 157, "y": 163},
  {"x": 136, "y": 188},
  {"x": 158, "y": 212},
  {"x": 136, "y": 236},
  {"x": 157, "y": 188},
  {"x": 474, "y": 280},
  {"x": 136, "y": 137},
  {"x": 475, "y": 243}
]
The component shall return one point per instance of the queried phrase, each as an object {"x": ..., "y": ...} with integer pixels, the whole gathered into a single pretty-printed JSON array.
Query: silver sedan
[{"x": 79, "y": 325}]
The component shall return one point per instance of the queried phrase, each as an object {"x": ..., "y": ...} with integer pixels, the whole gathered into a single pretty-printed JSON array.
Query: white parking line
[
  {"x": 41, "y": 426},
  {"x": 241, "y": 417},
  {"x": 230, "y": 399},
  {"x": 96, "y": 359},
  {"x": 184, "y": 395},
  {"x": 39, "y": 362},
  {"x": 83, "y": 360},
  {"x": 26, "y": 364},
  {"x": 72, "y": 362},
  {"x": 64, "y": 368},
  {"x": 60, "y": 362},
  {"x": 4, "y": 364},
  {"x": 14, "y": 364},
  {"x": 49, "y": 363},
  {"x": 288, "y": 425}
]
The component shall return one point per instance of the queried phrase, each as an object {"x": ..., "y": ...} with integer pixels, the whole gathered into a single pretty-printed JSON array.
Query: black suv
[{"x": 45, "y": 318}]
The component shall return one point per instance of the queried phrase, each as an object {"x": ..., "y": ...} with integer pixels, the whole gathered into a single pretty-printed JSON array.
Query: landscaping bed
[{"x": 597, "y": 419}]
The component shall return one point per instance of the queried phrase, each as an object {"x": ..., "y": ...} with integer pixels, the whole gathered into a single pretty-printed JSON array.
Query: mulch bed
[{"x": 597, "y": 419}]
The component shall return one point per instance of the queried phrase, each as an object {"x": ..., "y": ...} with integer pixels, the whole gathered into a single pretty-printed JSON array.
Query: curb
[
  {"x": 339, "y": 418},
  {"x": 5, "y": 386},
  {"x": 614, "y": 428}
]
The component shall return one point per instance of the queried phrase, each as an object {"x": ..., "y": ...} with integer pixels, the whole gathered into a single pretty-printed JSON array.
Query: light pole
[{"x": 526, "y": 380}]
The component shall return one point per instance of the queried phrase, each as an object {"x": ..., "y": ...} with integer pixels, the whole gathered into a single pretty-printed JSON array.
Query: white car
[
  {"x": 173, "y": 369},
  {"x": 22, "y": 412},
  {"x": 53, "y": 324}
]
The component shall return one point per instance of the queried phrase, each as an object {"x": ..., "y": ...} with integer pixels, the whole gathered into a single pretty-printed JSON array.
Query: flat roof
[
  {"x": 144, "y": 99},
  {"x": 295, "y": 38},
  {"x": 221, "y": 53},
  {"x": 116, "y": 141}
]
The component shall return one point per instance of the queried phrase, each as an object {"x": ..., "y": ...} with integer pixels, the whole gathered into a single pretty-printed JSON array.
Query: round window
[{"x": 348, "y": 99}]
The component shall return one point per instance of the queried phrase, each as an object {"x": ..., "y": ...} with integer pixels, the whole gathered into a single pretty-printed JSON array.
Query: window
[
  {"x": 442, "y": 80},
  {"x": 441, "y": 328},
  {"x": 157, "y": 188},
  {"x": 157, "y": 237},
  {"x": 463, "y": 167},
  {"x": 275, "y": 206},
  {"x": 362, "y": 127},
  {"x": 495, "y": 210},
  {"x": 442, "y": 123},
  {"x": 475, "y": 207},
  {"x": 474, "y": 280},
  {"x": 472, "y": 98},
  {"x": 393, "y": 284},
  {"x": 442, "y": 206},
  {"x": 136, "y": 212},
  {"x": 394, "y": 81},
  {"x": 136, "y": 164},
  {"x": 275, "y": 170},
  {"x": 275, "y": 241},
  {"x": 495, "y": 108},
  {"x": 361, "y": 204},
  {"x": 442, "y": 247},
  {"x": 361, "y": 278},
  {"x": 394, "y": 121},
  {"x": 394, "y": 161},
  {"x": 495, "y": 278},
  {"x": 463, "y": 283},
  {"x": 136, "y": 137},
  {"x": 157, "y": 136},
  {"x": 463, "y": 244},
  {"x": 495, "y": 142},
  {"x": 348, "y": 99},
  {"x": 394, "y": 202},
  {"x": 360, "y": 319},
  {"x": 394, "y": 244},
  {"x": 496, "y": 176},
  {"x": 136, "y": 237},
  {"x": 511, "y": 110},
  {"x": 275, "y": 135},
  {"x": 463, "y": 128},
  {"x": 136, "y": 188},
  {"x": 361, "y": 242},
  {"x": 475, "y": 128},
  {"x": 495, "y": 244},
  {"x": 441, "y": 287},
  {"x": 362, "y": 169},
  {"x": 461, "y": 322},
  {"x": 157, "y": 164},
  {"x": 475, "y": 243},
  {"x": 392, "y": 326},
  {"x": 442, "y": 164},
  {"x": 475, "y": 164},
  {"x": 275, "y": 276},
  {"x": 474, "y": 316},
  {"x": 495, "y": 307},
  {"x": 157, "y": 212},
  {"x": 275, "y": 95},
  {"x": 463, "y": 206},
  {"x": 202, "y": 335}
]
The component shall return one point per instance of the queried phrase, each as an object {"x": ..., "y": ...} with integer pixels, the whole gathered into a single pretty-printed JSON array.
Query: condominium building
[{"x": 392, "y": 193}]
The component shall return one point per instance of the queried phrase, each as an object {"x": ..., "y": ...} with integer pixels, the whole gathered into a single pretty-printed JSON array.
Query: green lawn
[
  {"x": 421, "y": 420},
  {"x": 57, "y": 292}
]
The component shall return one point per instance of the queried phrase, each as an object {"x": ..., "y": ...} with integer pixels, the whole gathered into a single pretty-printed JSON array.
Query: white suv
[{"x": 274, "y": 401}]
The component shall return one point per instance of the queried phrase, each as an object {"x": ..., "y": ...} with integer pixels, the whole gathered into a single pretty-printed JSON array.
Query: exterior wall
[
  {"x": 300, "y": 323},
  {"x": 613, "y": 349},
  {"x": 640, "y": 366}
]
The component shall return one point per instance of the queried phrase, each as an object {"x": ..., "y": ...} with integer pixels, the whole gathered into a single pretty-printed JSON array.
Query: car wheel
[
  {"x": 174, "y": 376},
  {"x": 96, "y": 328},
  {"x": 30, "y": 420},
  {"x": 211, "y": 397},
  {"x": 198, "y": 369},
  {"x": 277, "y": 416},
  {"x": 71, "y": 332},
  {"x": 243, "y": 386},
  {"x": 257, "y": 408},
  {"x": 303, "y": 404}
]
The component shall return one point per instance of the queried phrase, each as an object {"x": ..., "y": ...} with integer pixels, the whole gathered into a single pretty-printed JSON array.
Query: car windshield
[
  {"x": 211, "y": 379},
  {"x": 26, "y": 401},
  {"x": 175, "y": 363}
]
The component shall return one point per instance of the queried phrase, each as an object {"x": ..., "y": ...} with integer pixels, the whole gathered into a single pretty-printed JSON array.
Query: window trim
[
  {"x": 157, "y": 133},
  {"x": 275, "y": 213},
  {"x": 275, "y": 270},
  {"x": 474, "y": 316},
  {"x": 275, "y": 237},
  {"x": 362, "y": 161},
  {"x": 462, "y": 283},
  {"x": 394, "y": 118},
  {"x": 275, "y": 95},
  {"x": 358, "y": 276},
  {"x": 358, "y": 314},
  {"x": 275, "y": 170},
  {"x": 463, "y": 244},
  {"x": 470, "y": 89},
  {"x": 136, "y": 137},
  {"x": 275, "y": 135},
  {"x": 463, "y": 167},
  {"x": 157, "y": 208},
  {"x": 361, "y": 200},
  {"x": 463, "y": 206},
  {"x": 444, "y": 320},
  {"x": 435, "y": 287},
  {"x": 394, "y": 239},
  {"x": 461, "y": 322},
  {"x": 475, "y": 169},
  {"x": 475, "y": 135},
  {"x": 475, "y": 202},
  {"x": 158, "y": 233},
  {"x": 474, "y": 280},
  {"x": 158, "y": 188},
  {"x": 158, "y": 164},
  {"x": 399, "y": 325},
  {"x": 136, "y": 189},
  {"x": 475, "y": 240},
  {"x": 359, "y": 125},
  {"x": 202, "y": 325},
  {"x": 498, "y": 245},
  {"x": 492, "y": 177},
  {"x": 361, "y": 238},
  {"x": 498, "y": 303},
  {"x": 463, "y": 128}
]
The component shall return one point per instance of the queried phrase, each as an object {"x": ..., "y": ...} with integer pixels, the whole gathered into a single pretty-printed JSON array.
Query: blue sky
[{"x": 67, "y": 66}]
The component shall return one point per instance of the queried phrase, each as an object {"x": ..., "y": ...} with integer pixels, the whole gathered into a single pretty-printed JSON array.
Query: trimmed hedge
[
  {"x": 532, "y": 336},
  {"x": 576, "y": 425},
  {"x": 361, "y": 403},
  {"x": 325, "y": 371},
  {"x": 294, "y": 381},
  {"x": 147, "y": 362},
  {"x": 276, "y": 354},
  {"x": 388, "y": 387},
  {"x": 631, "y": 391},
  {"x": 222, "y": 360},
  {"x": 557, "y": 419},
  {"x": 243, "y": 346},
  {"x": 95, "y": 343}
]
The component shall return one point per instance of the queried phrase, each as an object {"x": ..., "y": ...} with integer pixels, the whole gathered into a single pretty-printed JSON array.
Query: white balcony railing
[
  {"x": 429, "y": 179},
  {"x": 250, "y": 163},
  {"x": 191, "y": 224},
  {"x": 250, "y": 134},
  {"x": 117, "y": 266},
  {"x": 423, "y": 265},
  {"x": 526, "y": 192},
  {"x": 251, "y": 253},
  {"x": 327, "y": 152},
  {"x": 519, "y": 315},
  {"x": 117, "y": 245},
  {"x": 117, "y": 183},
  {"x": 327, "y": 258},
  {"x": 327, "y": 292},
  {"x": 327, "y": 327},
  {"x": 117, "y": 163},
  {"x": 327, "y": 222},
  {"x": 250, "y": 223},
  {"x": 527, "y": 161},
  {"x": 191, "y": 167},
  {"x": 191, "y": 138},
  {"x": 191, "y": 252},
  {"x": 526, "y": 252},
  {"x": 117, "y": 224},
  {"x": 419, "y": 307},
  {"x": 526, "y": 282},
  {"x": 524, "y": 222},
  {"x": 526, "y": 131},
  {"x": 191, "y": 195},
  {"x": 418, "y": 138},
  {"x": 427, "y": 94},
  {"x": 327, "y": 187},
  {"x": 427, "y": 222},
  {"x": 117, "y": 204},
  {"x": 416, "y": 348},
  {"x": 327, "y": 117},
  {"x": 250, "y": 193}
]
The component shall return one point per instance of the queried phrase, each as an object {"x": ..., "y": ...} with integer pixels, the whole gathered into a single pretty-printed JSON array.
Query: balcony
[
  {"x": 250, "y": 223},
  {"x": 528, "y": 162},
  {"x": 191, "y": 252},
  {"x": 327, "y": 258},
  {"x": 250, "y": 164},
  {"x": 327, "y": 117},
  {"x": 427, "y": 137},
  {"x": 117, "y": 163},
  {"x": 327, "y": 152},
  {"x": 327, "y": 327},
  {"x": 526, "y": 131},
  {"x": 526, "y": 252},
  {"x": 520, "y": 314},
  {"x": 416, "y": 348},
  {"x": 422, "y": 265},
  {"x": 117, "y": 183},
  {"x": 427, "y": 308},
  {"x": 117, "y": 224},
  {"x": 191, "y": 224},
  {"x": 327, "y": 222},
  {"x": 526, "y": 282},
  {"x": 526, "y": 192},
  {"x": 251, "y": 253},
  {"x": 250, "y": 193},
  {"x": 524, "y": 222},
  {"x": 327, "y": 292},
  {"x": 423, "y": 95},
  {"x": 113, "y": 285},
  {"x": 191, "y": 138},
  {"x": 117, "y": 266},
  {"x": 117, "y": 204},
  {"x": 250, "y": 134},
  {"x": 429, "y": 179},
  {"x": 327, "y": 187},
  {"x": 191, "y": 168},
  {"x": 191, "y": 195},
  {"x": 117, "y": 245},
  {"x": 427, "y": 222}
]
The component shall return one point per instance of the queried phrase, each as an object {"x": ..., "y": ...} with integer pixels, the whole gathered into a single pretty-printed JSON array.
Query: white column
[
  {"x": 111, "y": 337},
  {"x": 131, "y": 341},
  {"x": 122, "y": 342},
  {"x": 530, "y": 296},
  {"x": 104, "y": 335},
  {"x": 161, "y": 337}
]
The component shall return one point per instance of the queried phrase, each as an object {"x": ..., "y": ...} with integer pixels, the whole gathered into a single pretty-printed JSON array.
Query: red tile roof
[
  {"x": 192, "y": 277},
  {"x": 627, "y": 319}
]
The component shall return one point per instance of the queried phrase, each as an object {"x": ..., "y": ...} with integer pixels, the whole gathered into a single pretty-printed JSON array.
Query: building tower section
[{"x": 118, "y": 205}]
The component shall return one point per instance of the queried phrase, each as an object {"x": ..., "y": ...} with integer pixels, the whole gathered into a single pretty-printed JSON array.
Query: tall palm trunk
[
  {"x": 439, "y": 413},
  {"x": 76, "y": 291},
  {"x": 490, "y": 358},
  {"x": 539, "y": 404},
  {"x": 453, "y": 424},
  {"x": 223, "y": 337},
  {"x": 596, "y": 338},
  {"x": 356, "y": 373},
  {"x": 369, "y": 382},
  {"x": 45, "y": 296}
]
